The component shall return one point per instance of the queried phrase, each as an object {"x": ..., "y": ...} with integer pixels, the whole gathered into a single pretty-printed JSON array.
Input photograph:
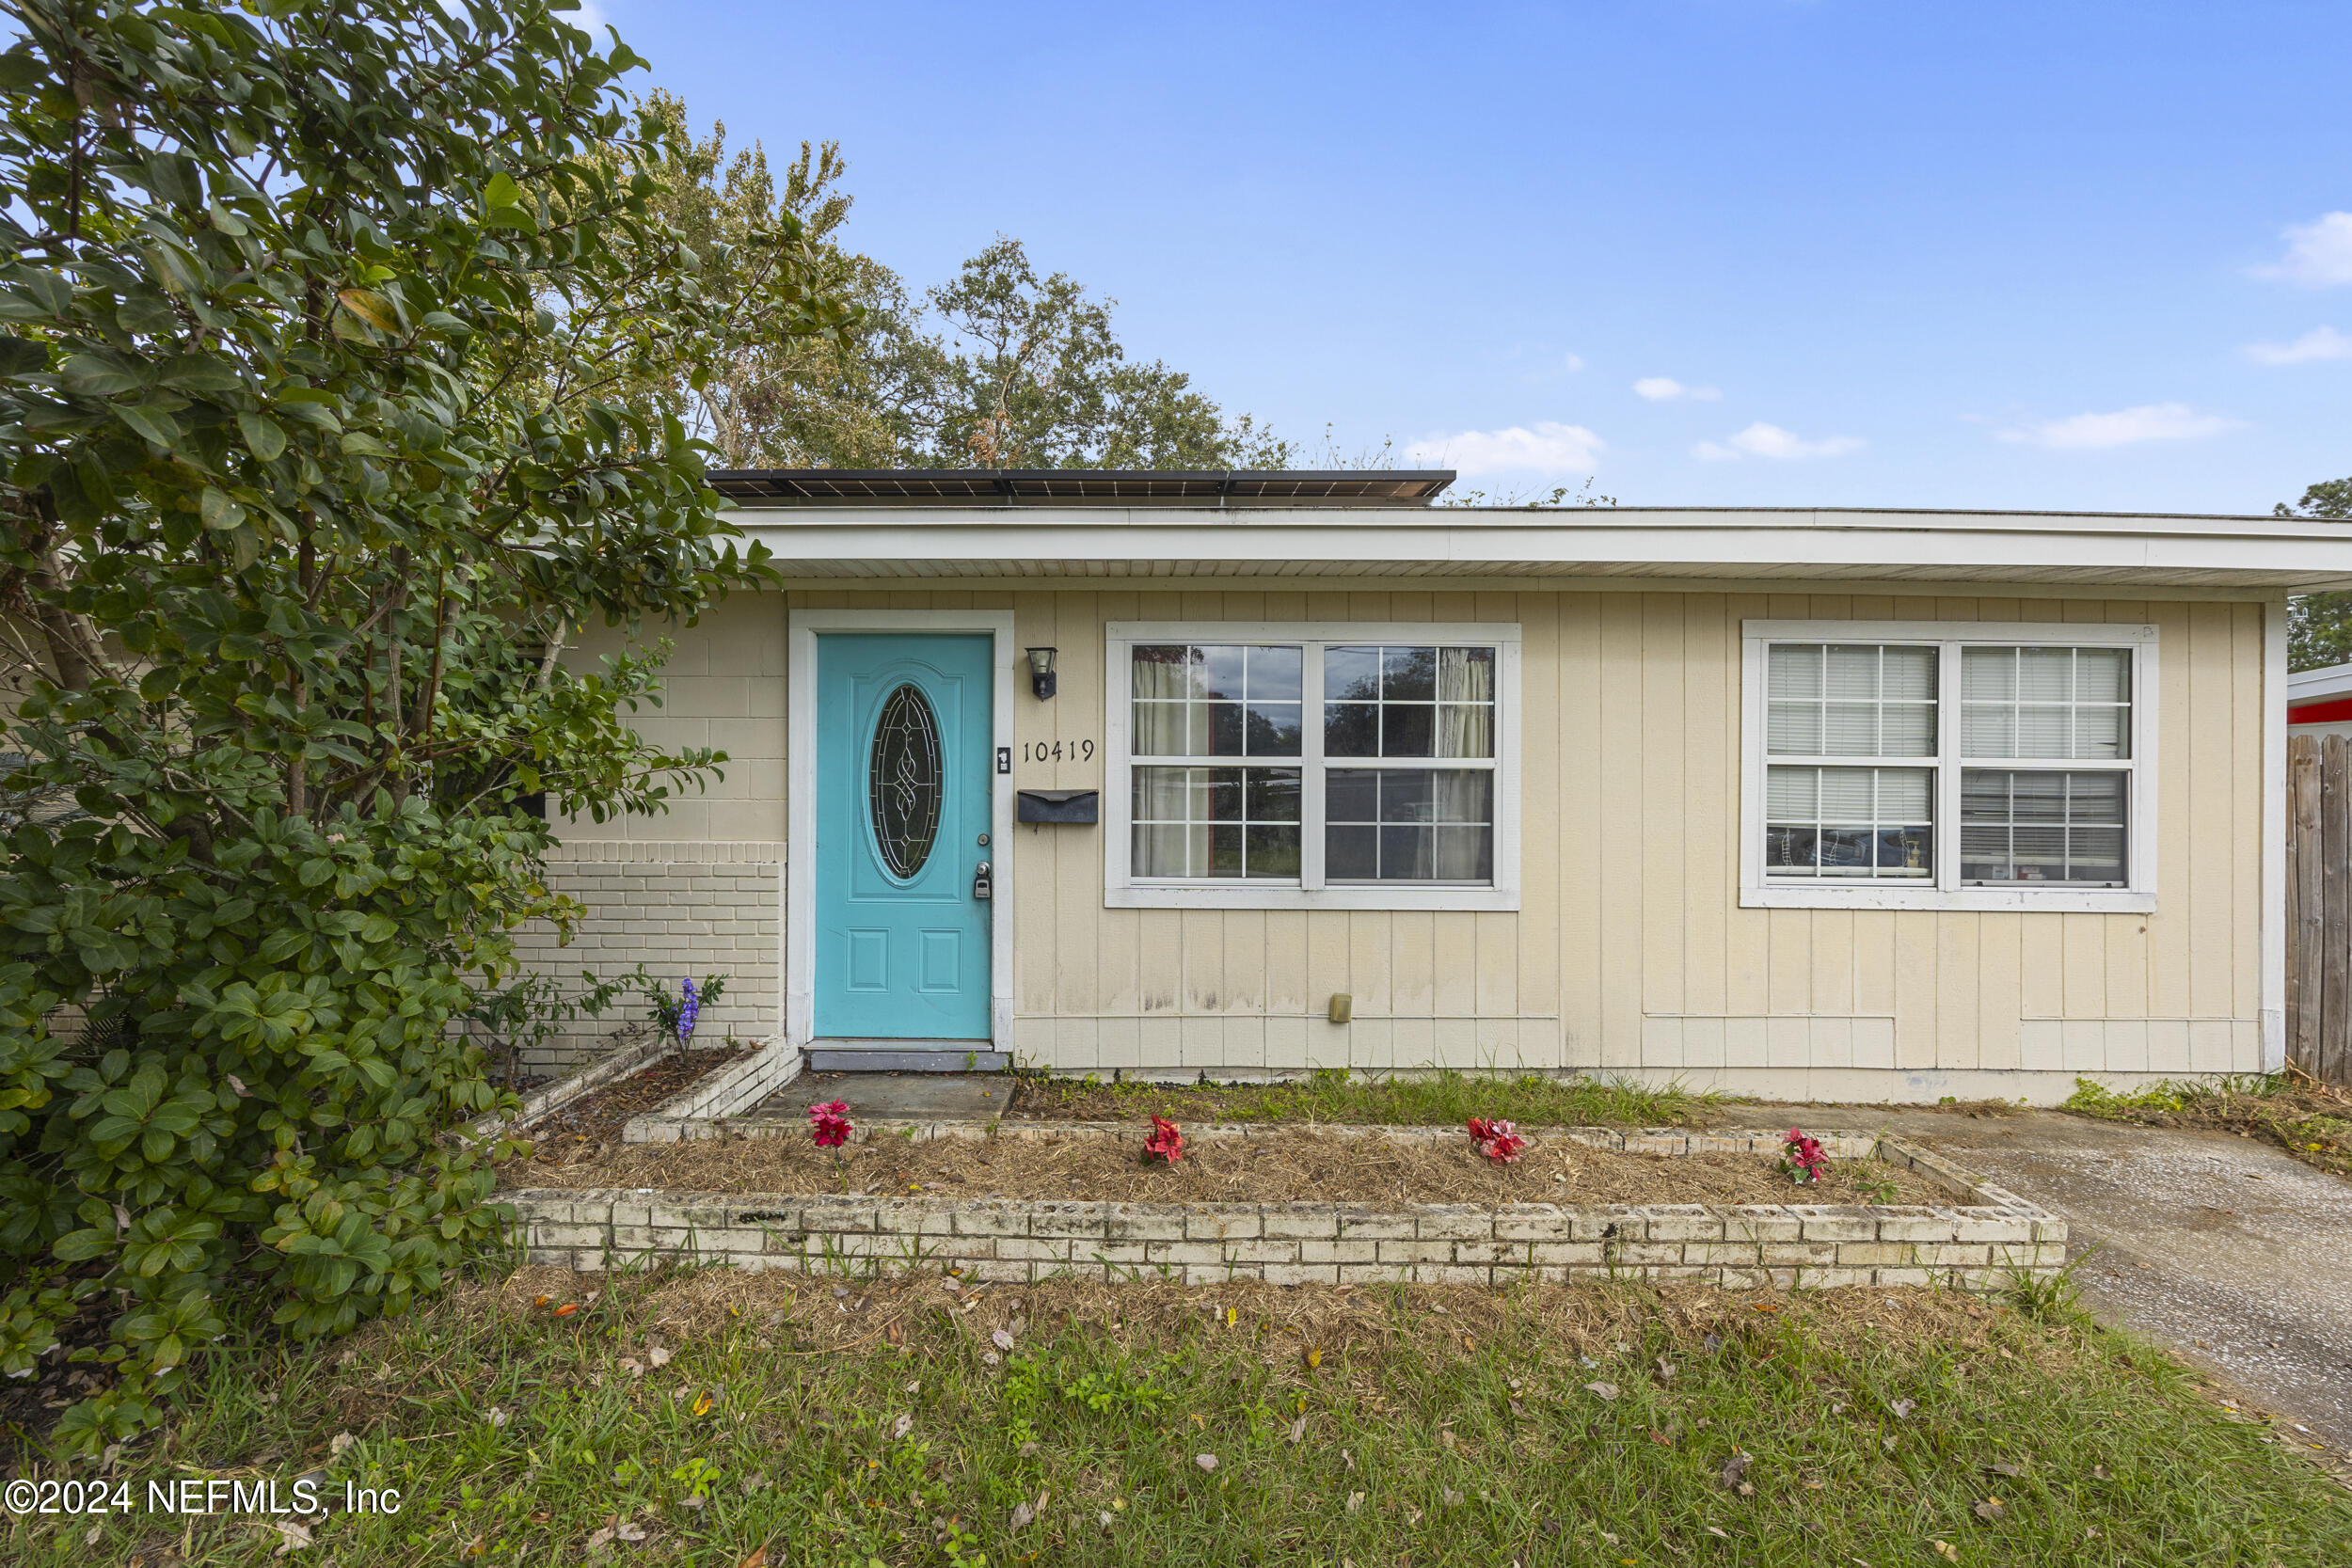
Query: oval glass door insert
[{"x": 905, "y": 777}]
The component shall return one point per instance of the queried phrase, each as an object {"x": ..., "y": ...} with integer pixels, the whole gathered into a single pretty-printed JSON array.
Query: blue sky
[{"x": 1767, "y": 252}]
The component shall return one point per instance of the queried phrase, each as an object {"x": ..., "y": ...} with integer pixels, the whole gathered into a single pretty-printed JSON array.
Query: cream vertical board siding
[{"x": 1629, "y": 952}]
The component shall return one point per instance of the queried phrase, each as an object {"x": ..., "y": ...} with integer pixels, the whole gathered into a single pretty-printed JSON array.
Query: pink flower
[
  {"x": 1167, "y": 1141},
  {"x": 830, "y": 1124},
  {"x": 1803, "y": 1157},
  {"x": 1497, "y": 1141}
]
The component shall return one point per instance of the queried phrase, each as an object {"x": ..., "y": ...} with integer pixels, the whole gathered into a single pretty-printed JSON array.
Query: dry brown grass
[
  {"x": 1278, "y": 1168},
  {"x": 1356, "y": 1327}
]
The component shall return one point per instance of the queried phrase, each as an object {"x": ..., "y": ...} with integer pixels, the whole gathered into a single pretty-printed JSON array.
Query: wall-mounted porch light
[{"x": 1042, "y": 673}]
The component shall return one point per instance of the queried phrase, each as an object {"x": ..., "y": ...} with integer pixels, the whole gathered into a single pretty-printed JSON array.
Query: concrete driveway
[{"x": 2227, "y": 1250}]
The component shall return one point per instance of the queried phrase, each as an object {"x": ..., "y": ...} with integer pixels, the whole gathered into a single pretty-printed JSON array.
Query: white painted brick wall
[
  {"x": 678, "y": 910},
  {"x": 1981, "y": 1243}
]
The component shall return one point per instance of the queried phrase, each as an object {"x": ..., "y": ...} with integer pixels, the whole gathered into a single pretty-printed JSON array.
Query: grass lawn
[
  {"x": 702, "y": 1416},
  {"x": 2312, "y": 1122},
  {"x": 1437, "y": 1099}
]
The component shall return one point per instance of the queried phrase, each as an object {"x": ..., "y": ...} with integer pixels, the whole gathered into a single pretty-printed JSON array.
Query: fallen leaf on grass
[
  {"x": 1762, "y": 1306},
  {"x": 1724, "y": 1533},
  {"x": 1901, "y": 1409},
  {"x": 1001, "y": 1340},
  {"x": 1355, "y": 1502},
  {"x": 658, "y": 1355},
  {"x": 633, "y": 1366},
  {"x": 1946, "y": 1550},
  {"x": 567, "y": 1309},
  {"x": 1735, "y": 1471},
  {"x": 1314, "y": 1357},
  {"x": 292, "y": 1537},
  {"x": 1298, "y": 1429},
  {"x": 702, "y": 1405},
  {"x": 1606, "y": 1391},
  {"x": 2002, "y": 1467},
  {"x": 1990, "y": 1510},
  {"x": 900, "y": 1427},
  {"x": 758, "y": 1558},
  {"x": 2099, "y": 1472},
  {"x": 1206, "y": 1461},
  {"x": 341, "y": 1442},
  {"x": 1661, "y": 1439}
]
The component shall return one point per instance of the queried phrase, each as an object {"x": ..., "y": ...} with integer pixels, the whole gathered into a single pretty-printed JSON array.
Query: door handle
[{"x": 983, "y": 886}]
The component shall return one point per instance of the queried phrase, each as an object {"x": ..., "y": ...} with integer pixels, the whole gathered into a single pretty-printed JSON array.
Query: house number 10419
[{"x": 1057, "y": 751}]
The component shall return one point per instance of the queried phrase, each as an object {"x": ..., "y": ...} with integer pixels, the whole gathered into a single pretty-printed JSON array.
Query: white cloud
[
  {"x": 1769, "y": 440},
  {"x": 2320, "y": 343},
  {"x": 1572, "y": 363},
  {"x": 2149, "y": 421},
  {"x": 2319, "y": 255},
  {"x": 1665, "y": 388},
  {"x": 1547, "y": 448}
]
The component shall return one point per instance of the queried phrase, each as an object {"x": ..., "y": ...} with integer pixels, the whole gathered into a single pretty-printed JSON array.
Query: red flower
[
  {"x": 1167, "y": 1141},
  {"x": 1497, "y": 1141},
  {"x": 830, "y": 1124},
  {"x": 1803, "y": 1157}
]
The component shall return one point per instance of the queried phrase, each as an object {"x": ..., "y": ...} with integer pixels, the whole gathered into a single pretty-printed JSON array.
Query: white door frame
[{"x": 799, "y": 845}]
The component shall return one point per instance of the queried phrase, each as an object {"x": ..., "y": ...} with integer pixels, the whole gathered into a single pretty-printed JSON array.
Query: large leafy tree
[
  {"x": 324, "y": 332},
  {"x": 998, "y": 367},
  {"x": 2319, "y": 625}
]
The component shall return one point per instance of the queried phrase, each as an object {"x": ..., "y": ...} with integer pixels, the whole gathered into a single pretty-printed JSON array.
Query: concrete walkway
[{"x": 2227, "y": 1250}]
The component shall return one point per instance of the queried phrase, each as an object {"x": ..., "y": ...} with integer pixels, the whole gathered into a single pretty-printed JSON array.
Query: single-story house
[
  {"x": 1248, "y": 774},
  {"x": 2319, "y": 701}
]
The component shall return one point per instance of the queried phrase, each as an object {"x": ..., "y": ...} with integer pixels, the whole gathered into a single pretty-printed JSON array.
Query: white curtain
[{"x": 1466, "y": 698}]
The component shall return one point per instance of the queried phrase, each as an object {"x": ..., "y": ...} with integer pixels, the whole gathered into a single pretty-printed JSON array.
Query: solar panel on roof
[{"x": 1016, "y": 487}]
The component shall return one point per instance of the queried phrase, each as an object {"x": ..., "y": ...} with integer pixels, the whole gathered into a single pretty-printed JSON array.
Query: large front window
[
  {"x": 1341, "y": 765},
  {"x": 1946, "y": 766}
]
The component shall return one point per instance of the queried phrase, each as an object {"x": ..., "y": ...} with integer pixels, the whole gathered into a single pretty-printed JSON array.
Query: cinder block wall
[{"x": 679, "y": 909}]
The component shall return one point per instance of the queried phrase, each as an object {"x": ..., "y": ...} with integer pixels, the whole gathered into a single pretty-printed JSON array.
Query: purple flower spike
[{"x": 691, "y": 1005}]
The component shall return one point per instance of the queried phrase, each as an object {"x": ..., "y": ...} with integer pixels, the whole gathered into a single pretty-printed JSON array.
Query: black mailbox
[{"x": 1059, "y": 805}]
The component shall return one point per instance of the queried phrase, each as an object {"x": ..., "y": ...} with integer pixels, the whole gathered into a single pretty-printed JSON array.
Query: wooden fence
[{"x": 2319, "y": 906}]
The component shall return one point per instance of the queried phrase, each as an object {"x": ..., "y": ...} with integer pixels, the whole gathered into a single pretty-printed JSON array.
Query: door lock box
[{"x": 983, "y": 885}]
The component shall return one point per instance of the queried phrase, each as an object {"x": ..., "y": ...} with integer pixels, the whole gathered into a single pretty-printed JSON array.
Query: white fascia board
[
  {"x": 2256, "y": 551},
  {"x": 2333, "y": 680}
]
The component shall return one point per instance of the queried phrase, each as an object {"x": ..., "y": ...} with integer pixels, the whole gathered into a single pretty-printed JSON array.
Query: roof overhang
[
  {"x": 870, "y": 541},
  {"x": 2328, "y": 683}
]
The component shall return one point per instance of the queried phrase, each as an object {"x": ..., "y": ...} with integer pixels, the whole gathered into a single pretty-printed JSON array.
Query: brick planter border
[{"x": 1981, "y": 1242}]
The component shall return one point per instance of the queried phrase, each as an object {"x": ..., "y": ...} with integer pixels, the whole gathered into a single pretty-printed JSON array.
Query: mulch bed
[
  {"x": 595, "y": 1120},
  {"x": 1356, "y": 1327},
  {"x": 1282, "y": 1167}
]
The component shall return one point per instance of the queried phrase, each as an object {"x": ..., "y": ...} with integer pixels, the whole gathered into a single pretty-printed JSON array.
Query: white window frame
[
  {"x": 1121, "y": 891},
  {"x": 1944, "y": 890}
]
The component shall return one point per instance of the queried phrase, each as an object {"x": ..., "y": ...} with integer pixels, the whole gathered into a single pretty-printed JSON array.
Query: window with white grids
[
  {"x": 1312, "y": 766},
  {"x": 1912, "y": 765}
]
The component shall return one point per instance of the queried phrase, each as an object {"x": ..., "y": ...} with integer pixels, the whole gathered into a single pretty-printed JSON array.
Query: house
[
  {"x": 2319, "y": 701},
  {"x": 1247, "y": 774}
]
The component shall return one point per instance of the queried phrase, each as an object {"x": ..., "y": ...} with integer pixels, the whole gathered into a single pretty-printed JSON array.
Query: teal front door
[{"x": 904, "y": 735}]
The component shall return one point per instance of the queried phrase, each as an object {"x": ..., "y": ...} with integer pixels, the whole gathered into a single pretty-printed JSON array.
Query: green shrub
[{"x": 340, "y": 351}]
